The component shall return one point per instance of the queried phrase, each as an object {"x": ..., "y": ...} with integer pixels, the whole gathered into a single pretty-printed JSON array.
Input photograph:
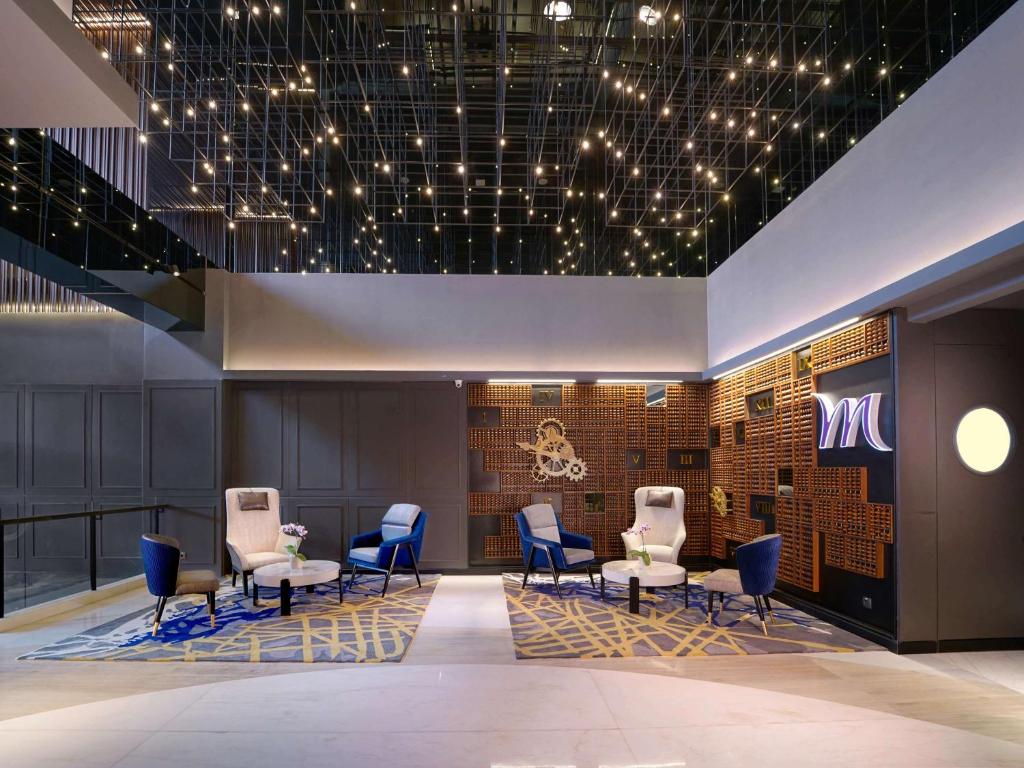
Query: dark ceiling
[{"x": 628, "y": 139}]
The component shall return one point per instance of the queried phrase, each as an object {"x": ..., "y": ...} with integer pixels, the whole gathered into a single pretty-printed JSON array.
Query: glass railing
[{"x": 48, "y": 556}]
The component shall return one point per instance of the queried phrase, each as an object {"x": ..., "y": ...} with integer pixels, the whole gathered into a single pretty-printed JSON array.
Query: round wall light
[
  {"x": 558, "y": 10},
  {"x": 983, "y": 440}
]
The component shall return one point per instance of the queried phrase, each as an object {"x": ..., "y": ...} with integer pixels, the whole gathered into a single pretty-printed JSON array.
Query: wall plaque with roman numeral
[
  {"x": 546, "y": 395},
  {"x": 681, "y": 458},
  {"x": 761, "y": 404},
  {"x": 636, "y": 459},
  {"x": 484, "y": 418}
]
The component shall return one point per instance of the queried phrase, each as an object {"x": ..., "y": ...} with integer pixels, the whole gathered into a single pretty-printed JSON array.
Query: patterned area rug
[
  {"x": 582, "y": 626},
  {"x": 366, "y": 628}
]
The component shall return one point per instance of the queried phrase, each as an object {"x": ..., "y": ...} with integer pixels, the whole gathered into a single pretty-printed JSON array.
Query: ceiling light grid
[{"x": 621, "y": 138}]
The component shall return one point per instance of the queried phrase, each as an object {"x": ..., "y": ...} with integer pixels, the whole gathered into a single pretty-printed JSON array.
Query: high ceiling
[{"x": 507, "y": 136}]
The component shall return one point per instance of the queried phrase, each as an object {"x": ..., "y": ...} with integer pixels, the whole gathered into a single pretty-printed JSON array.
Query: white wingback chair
[
  {"x": 661, "y": 507},
  {"x": 253, "y": 533}
]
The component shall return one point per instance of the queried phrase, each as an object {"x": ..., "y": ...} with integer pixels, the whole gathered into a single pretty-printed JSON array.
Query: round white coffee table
[
  {"x": 635, "y": 575},
  {"x": 282, "y": 576}
]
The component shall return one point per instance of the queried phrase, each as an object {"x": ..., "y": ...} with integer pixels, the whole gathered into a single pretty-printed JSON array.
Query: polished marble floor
[{"x": 461, "y": 699}]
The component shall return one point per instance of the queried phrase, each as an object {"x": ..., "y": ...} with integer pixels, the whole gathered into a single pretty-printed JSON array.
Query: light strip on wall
[
  {"x": 639, "y": 381},
  {"x": 531, "y": 381},
  {"x": 789, "y": 347}
]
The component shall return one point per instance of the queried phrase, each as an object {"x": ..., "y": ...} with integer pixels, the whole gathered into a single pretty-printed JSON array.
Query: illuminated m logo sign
[{"x": 844, "y": 419}]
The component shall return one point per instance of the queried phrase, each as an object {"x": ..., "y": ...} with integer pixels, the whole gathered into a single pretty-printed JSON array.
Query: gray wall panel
[
  {"x": 11, "y": 438},
  {"x": 352, "y": 450},
  {"x": 444, "y": 543},
  {"x": 436, "y": 416},
  {"x": 380, "y": 429},
  {"x": 980, "y": 530},
  {"x": 194, "y": 523},
  {"x": 325, "y": 519},
  {"x": 13, "y": 535},
  {"x": 57, "y": 545},
  {"x": 259, "y": 436},
  {"x": 118, "y": 555},
  {"x": 117, "y": 440},
  {"x": 951, "y": 521},
  {"x": 57, "y": 432},
  {"x": 319, "y": 456},
  {"x": 182, "y": 438}
]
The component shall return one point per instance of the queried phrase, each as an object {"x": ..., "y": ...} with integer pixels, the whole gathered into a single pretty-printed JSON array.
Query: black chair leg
[
  {"x": 711, "y": 606},
  {"x": 415, "y": 567},
  {"x": 387, "y": 578},
  {"x": 554, "y": 573},
  {"x": 768, "y": 607},
  {"x": 245, "y": 583},
  {"x": 590, "y": 573},
  {"x": 760, "y": 613},
  {"x": 160, "y": 603},
  {"x": 234, "y": 578},
  {"x": 211, "y": 606},
  {"x": 529, "y": 566},
  {"x": 352, "y": 578}
]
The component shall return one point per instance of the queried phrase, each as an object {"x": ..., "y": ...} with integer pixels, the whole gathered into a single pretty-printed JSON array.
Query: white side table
[
  {"x": 282, "y": 576},
  {"x": 635, "y": 575}
]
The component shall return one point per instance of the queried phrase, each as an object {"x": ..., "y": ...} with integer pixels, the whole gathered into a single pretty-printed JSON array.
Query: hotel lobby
[{"x": 511, "y": 384}]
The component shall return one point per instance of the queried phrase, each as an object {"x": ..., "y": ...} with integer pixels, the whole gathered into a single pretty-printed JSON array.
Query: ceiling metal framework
[{"x": 496, "y": 136}]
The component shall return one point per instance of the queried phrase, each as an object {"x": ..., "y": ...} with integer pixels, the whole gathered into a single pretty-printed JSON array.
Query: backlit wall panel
[
  {"x": 624, "y": 443},
  {"x": 764, "y": 455}
]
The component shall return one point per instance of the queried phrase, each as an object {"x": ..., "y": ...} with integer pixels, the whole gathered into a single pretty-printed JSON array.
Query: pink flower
[{"x": 294, "y": 529}]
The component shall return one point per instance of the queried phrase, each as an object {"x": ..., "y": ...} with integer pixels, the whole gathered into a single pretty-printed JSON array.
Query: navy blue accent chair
[
  {"x": 396, "y": 545},
  {"x": 161, "y": 558},
  {"x": 757, "y": 567},
  {"x": 546, "y": 544}
]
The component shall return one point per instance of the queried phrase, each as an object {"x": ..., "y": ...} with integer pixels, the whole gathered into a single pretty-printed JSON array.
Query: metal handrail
[{"x": 154, "y": 509}]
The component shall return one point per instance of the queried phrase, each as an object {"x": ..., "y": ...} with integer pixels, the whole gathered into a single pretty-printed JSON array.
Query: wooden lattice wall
[
  {"x": 829, "y": 505},
  {"x": 603, "y": 423}
]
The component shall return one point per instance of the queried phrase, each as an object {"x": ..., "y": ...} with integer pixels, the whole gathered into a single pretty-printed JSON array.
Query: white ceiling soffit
[{"x": 51, "y": 76}]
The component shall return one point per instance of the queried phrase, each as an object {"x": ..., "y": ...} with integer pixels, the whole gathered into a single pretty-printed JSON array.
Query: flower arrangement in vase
[
  {"x": 296, "y": 533},
  {"x": 641, "y": 554}
]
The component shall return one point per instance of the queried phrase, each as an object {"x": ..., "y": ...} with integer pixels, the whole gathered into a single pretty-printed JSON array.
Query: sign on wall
[{"x": 846, "y": 418}]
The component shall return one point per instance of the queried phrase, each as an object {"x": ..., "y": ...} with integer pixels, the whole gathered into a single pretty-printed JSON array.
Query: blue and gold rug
[
  {"x": 366, "y": 628},
  {"x": 581, "y": 625}
]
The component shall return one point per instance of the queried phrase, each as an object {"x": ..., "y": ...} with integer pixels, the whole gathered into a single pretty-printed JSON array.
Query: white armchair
[
  {"x": 253, "y": 531},
  {"x": 661, "y": 507}
]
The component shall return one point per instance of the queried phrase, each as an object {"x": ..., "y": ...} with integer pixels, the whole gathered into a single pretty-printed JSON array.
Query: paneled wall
[
  {"x": 343, "y": 453},
  {"x": 624, "y": 443},
  {"x": 954, "y": 521},
  {"x": 182, "y": 463},
  {"x": 834, "y": 508},
  {"x": 69, "y": 448}
]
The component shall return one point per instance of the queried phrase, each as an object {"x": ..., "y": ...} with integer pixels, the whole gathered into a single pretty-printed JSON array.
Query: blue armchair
[
  {"x": 758, "y": 564},
  {"x": 396, "y": 544},
  {"x": 161, "y": 556},
  {"x": 546, "y": 544}
]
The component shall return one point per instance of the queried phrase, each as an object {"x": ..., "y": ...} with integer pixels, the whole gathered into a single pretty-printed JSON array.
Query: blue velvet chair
[
  {"x": 396, "y": 545},
  {"x": 546, "y": 544},
  {"x": 758, "y": 565},
  {"x": 161, "y": 556}
]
